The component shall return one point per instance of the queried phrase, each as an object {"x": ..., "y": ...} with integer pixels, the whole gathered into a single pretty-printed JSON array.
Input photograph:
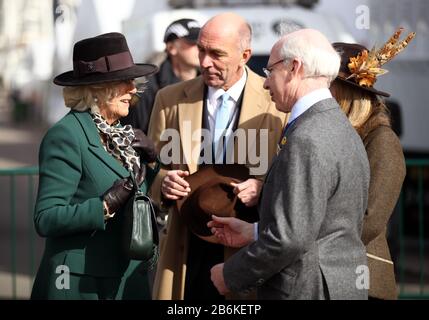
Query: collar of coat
[
  {"x": 255, "y": 108},
  {"x": 94, "y": 143}
]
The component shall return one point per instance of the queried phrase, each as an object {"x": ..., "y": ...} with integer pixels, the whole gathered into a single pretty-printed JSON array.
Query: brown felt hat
[
  {"x": 211, "y": 193},
  {"x": 104, "y": 58},
  {"x": 347, "y": 51}
]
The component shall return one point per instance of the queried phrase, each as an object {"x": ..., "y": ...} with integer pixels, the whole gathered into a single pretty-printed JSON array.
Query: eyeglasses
[{"x": 268, "y": 70}]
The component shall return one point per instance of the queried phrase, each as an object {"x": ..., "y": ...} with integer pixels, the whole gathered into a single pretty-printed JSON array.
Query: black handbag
[{"x": 140, "y": 233}]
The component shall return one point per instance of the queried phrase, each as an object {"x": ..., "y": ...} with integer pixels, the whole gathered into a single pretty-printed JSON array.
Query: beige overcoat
[{"x": 180, "y": 107}]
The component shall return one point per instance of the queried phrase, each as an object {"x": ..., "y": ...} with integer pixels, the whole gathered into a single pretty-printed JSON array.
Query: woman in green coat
[
  {"x": 361, "y": 102},
  {"x": 85, "y": 162}
]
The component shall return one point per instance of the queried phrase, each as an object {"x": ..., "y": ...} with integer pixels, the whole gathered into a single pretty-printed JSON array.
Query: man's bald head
[
  {"x": 224, "y": 49},
  {"x": 230, "y": 26}
]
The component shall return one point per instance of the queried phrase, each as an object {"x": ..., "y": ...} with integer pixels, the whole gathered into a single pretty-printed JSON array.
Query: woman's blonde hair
[
  {"x": 89, "y": 97},
  {"x": 364, "y": 110}
]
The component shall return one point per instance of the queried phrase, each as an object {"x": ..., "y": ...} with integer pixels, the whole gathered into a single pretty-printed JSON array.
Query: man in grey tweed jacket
[{"x": 307, "y": 245}]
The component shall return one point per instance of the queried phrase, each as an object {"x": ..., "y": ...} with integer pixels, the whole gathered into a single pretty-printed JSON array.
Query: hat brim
[
  {"x": 351, "y": 82},
  {"x": 206, "y": 173},
  {"x": 228, "y": 173},
  {"x": 138, "y": 70},
  {"x": 196, "y": 220}
]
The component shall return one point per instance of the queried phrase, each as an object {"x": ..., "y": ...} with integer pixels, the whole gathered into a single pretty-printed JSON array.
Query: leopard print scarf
[{"x": 118, "y": 141}]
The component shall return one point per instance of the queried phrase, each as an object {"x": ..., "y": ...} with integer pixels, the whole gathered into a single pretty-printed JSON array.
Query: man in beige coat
[{"x": 224, "y": 49}]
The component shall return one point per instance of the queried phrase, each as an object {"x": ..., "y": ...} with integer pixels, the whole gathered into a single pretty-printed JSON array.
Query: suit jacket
[
  {"x": 311, "y": 211},
  {"x": 387, "y": 165},
  {"x": 75, "y": 171},
  {"x": 180, "y": 107}
]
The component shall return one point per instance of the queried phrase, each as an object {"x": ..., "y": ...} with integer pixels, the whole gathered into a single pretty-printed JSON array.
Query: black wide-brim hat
[
  {"x": 347, "y": 51},
  {"x": 104, "y": 58},
  {"x": 211, "y": 193}
]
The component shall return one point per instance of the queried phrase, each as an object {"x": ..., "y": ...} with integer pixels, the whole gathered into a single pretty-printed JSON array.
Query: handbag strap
[
  {"x": 151, "y": 263},
  {"x": 134, "y": 181}
]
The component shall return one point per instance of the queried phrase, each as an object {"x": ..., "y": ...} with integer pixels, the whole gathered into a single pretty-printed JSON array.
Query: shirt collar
[
  {"x": 305, "y": 102},
  {"x": 234, "y": 92}
]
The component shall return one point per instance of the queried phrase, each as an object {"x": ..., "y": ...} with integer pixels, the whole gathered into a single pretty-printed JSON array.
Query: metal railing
[
  {"x": 29, "y": 173},
  {"x": 417, "y": 169}
]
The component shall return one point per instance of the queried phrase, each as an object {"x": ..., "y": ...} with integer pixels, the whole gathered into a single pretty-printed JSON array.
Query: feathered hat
[{"x": 361, "y": 67}]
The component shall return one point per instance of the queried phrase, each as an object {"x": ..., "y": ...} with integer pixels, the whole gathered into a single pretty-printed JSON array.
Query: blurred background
[{"x": 36, "y": 43}]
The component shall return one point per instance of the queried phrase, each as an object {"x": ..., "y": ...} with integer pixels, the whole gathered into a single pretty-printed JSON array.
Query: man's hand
[
  {"x": 232, "y": 232},
  {"x": 248, "y": 191},
  {"x": 173, "y": 186},
  {"x": 218, "y": 280}
]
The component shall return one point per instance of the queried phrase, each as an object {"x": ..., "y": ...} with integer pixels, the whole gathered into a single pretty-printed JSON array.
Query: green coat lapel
[{"x": 95, "y": 145}]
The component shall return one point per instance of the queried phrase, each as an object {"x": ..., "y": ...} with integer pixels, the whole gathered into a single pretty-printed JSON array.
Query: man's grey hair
[
  {"x": 317, "y": 61},
  {"x": 287, "y": 27}
]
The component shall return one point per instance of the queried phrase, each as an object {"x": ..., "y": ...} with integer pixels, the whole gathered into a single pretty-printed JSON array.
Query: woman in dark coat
[
  {"x": 361, "y": 102},
  {"x": 85, "y": 162}
]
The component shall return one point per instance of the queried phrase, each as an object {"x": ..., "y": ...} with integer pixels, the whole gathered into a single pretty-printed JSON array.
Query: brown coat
[
  {"x": 174, "y": 106},
  {"x": 387, "y": 166}
]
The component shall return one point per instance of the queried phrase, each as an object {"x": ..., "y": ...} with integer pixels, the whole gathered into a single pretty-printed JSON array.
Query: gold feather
[{"x": 365, "y": 67}]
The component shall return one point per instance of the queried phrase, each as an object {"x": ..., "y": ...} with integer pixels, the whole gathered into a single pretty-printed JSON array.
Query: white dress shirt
[
  {"x": 304, "y": 103},
  {"x": 213, "y": 102}
]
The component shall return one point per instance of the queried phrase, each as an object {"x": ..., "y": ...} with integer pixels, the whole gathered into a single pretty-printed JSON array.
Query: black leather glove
[
  {"x": 121, "y": 190},
  {"x": 144, "y": 146}
]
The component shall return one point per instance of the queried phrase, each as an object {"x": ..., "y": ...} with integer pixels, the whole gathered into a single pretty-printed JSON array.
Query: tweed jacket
[
  {"x": 180, "y": 107},
  {"x": 311, "y": 211},
  {"x": 387, "y": 165}
]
